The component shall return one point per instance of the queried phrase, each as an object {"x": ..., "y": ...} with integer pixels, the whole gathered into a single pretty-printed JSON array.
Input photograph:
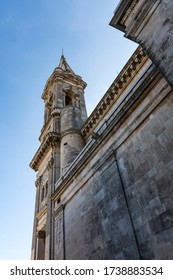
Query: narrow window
[{"x": 46, "y": 189}]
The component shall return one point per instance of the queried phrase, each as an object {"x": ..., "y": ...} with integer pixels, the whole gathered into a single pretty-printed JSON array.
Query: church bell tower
[{"x": 60, "y": 143}]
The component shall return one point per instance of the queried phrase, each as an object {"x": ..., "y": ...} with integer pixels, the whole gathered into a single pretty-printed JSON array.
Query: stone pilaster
[
  {"x": 58, "y": 93},
  {"x": 34, "y": 239},
  {"x": 49, "y": 210},
  {"x": 59, "y": 240},
  {"x": 56, "y": 162},
  {"x": 82, "y": 104},
  {"x": 40, "y": 253}
]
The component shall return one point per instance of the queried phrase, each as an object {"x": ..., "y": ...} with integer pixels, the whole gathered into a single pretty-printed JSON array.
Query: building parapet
[{"x": 127, "y": 74}]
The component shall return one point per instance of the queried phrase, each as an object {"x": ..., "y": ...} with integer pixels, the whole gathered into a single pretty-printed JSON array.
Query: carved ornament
[
  {"x": 50, "y": 163},
  {"x": 130, "y": 9},
  {"x": 52, "y": 138}
]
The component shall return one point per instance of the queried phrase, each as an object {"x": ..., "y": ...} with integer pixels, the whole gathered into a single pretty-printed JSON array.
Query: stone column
[
  {"x": 72, "y": 141},
  {"x": 58, "y": 95},
  {"x": 49, "y": 210},
  {"x": 82, "y": 104},
  {"x": 56, "y": 163}
]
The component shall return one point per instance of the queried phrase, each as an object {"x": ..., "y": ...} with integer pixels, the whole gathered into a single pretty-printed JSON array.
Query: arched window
[
  {"x": 68, "y": 100},
  {"x": 46, "y": 191}
]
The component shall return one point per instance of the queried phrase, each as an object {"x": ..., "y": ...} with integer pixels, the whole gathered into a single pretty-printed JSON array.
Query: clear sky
[{"x": 32, "y": 35}]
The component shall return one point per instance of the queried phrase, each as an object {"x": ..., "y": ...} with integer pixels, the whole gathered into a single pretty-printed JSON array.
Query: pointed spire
[{"x": 64, "y": 65}]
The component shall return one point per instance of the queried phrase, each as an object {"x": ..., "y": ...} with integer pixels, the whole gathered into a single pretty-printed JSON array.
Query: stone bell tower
[{"x": 60, "y": 143}]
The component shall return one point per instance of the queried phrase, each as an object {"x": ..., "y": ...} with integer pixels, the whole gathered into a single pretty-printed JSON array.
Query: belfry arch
[{"x": 68, "y": 100}]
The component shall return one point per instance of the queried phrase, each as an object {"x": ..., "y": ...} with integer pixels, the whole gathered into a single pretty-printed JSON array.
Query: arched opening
[
  {"x": 68, "y": 100},
  {"x": 46, "y": 190}
]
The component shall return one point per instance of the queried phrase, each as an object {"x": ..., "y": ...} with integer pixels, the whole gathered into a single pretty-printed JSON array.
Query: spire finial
[{"x": 64, "y": 65}]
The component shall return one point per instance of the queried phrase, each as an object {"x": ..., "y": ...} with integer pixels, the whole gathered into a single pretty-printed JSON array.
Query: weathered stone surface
[
  {"x": 149, "y": 23},
  {"x": 146, "y": 168},
  {"x": 58, "y": 248},
  {"x": 115, "y": 200},
  {"x": 97, "y": 223}
]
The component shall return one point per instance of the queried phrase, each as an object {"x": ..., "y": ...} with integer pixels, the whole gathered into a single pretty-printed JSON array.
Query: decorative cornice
[
  {"x": 41, "y": 213},
  {"x": 122, "y": 12},
  {"x": 51, "y": 139},
  {"x": 130, "y": 9},
  {"x": 140, "y": 17},
  {"x": 54, "y": 114},
  {"x": 70, "y": 131},
  {"x": 132, "y": 15},
  {"x": 120, "y": 83}
]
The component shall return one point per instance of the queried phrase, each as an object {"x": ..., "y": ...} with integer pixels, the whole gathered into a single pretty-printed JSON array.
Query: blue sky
[{"x": 32, "y": 35}]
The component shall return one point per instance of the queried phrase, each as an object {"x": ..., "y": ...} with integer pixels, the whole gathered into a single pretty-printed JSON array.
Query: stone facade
[
  {"x": 149, "y": 23},
  {"x": 104, "y": 187}
]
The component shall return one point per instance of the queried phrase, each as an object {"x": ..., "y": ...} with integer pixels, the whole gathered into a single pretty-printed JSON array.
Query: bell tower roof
[
  {"x": 62, "y": 72},
  {"x": 63, "y": 65}
]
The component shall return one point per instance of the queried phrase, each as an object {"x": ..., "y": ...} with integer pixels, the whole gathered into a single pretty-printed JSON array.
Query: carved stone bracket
[
  {"x": 50, "y": 163},
  {"x": 37, "y": 183}
]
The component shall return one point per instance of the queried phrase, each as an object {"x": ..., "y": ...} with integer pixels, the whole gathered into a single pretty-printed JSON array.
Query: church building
[{"x": 104, "y": 183}]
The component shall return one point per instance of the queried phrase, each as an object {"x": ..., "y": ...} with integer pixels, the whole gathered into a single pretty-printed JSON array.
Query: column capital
[{"x": 40, "y": 234}]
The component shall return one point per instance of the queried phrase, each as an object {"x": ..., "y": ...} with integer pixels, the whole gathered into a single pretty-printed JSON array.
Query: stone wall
[
  {"x": 119, "y": 204},
  {"x": 97, "y": 222},
  {"x": 146, "y": 165}
]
